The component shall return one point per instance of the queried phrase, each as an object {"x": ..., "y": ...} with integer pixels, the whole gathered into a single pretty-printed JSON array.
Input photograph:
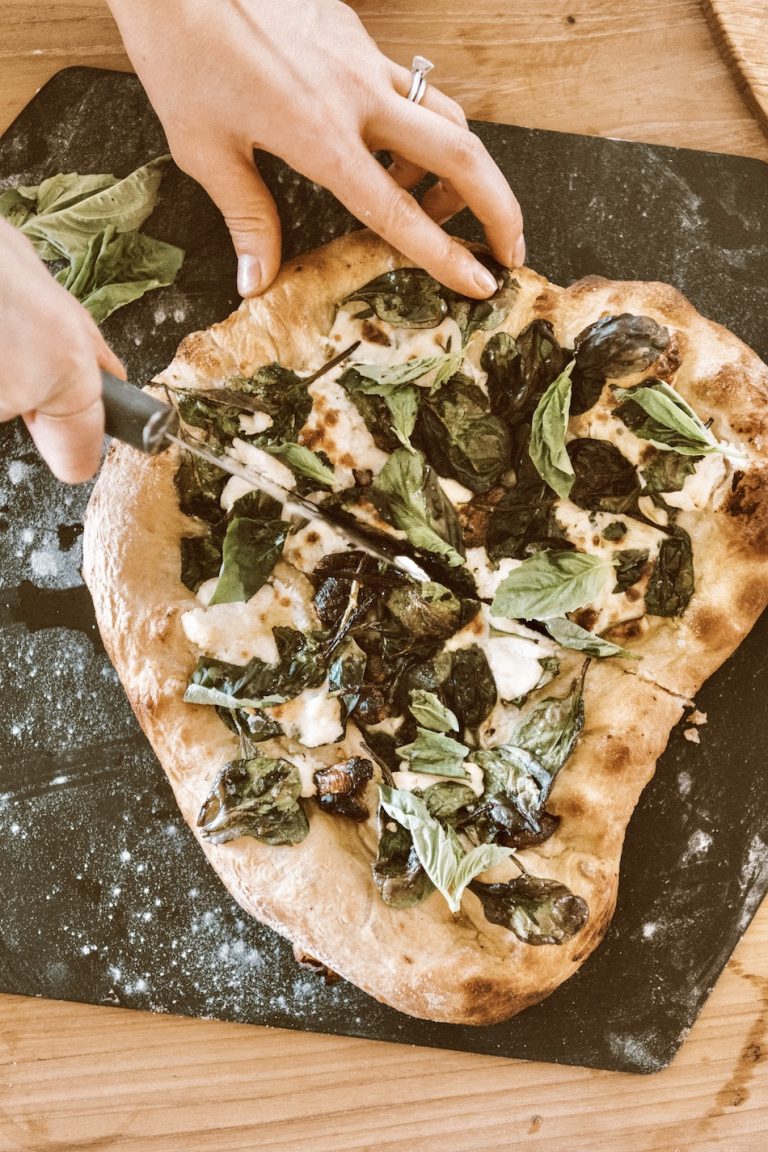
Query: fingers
[
  {"x": 370, "y": 193},
  {"x": 455, "y": 154},
  {"x": 234, "y": 184}
]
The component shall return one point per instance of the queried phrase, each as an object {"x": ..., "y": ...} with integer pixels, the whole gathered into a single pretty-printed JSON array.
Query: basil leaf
[
  {"x": 673, "y": 424},
  {"x": 449, "y": 868},
  {"x": 257, "y": 796},
  {"x": 548, "y": 429},
  {"x": 570, "y": 635},
  {"x": 117, "y": 268},
  {"x": 303, "y": 461},
  {"x": 435, "y": 754},
  {"x": 631, "y": 566},
  {"x": 65, "y": 228},
  {"x": 551, "y": 584},
  {"x": 383, "y": 379},
  {"x": 250, "y": 724},
  {"x": 409, "y": 494},
  {"x": 461, "y": 438},
  {"x": 404, "y": 298},
  {"x": 403, "y": 408},
  {"x": 517, "y": 776},
  {"x": 250, "y": 551},
  {"x": 280, "y": 393},
  {"x": 671, "y": 585},
  {"x": 216, "y": 698},
  {"x": 431, "y": 713},
  {"x": 16, "y": 207},
  {"x": 537, "y": 910}
]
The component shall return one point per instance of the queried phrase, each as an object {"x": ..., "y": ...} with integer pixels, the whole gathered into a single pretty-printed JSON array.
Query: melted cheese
[
  {"x": 514, "y": 658},
  {"x": 268, "y": 469},
  {"x": 307, "y": 547},
  {"x": 336, "y": 427},
  {"x": 313, "y": 717},
  {"x": 254, "y": 423},
  {"x": 456, "y": 493},
  {"x": 487, "y": 578},
  {"x": 393, "y": 345}
]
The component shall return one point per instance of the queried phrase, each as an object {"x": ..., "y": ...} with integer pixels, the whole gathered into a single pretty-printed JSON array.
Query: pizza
[{"x": 425, "y": 785}]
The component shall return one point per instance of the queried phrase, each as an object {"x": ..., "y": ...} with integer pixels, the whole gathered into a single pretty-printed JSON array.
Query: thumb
[{"x": 237, "y": 189}]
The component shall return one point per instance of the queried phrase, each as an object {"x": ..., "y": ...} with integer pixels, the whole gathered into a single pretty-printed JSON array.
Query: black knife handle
[{"x": 135, "y": 417}]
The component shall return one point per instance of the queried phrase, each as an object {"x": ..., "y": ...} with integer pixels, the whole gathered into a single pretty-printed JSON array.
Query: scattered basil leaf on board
[
  {"x": 408, "y": 493},
  {"x": 250, "y": 551},
  {"x": 257, "y": 796},
  {"x": 428, "y": 711},
  {"x": 537, "y": 910},
  {"x": 435, "y": 753},
  {"x": 551, "y": 584},
  {"x": 444, "y": 860},
  {"x": 570, "y": 635},
  {"x": 548, "y": 429},
  {"x": 672, "y": 423},
  {"x": 93, "y": 223}
]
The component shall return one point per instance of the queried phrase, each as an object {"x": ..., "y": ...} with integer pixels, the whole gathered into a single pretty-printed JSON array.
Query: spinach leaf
[
  {"x": 615, "y": 531},
  {"x": 435, "y": 753},
  {"x": 444, "y": 860},
  {"x": 407, "y": 492},
  {"x": 404, "y": 298},
  {"x": 604, "y": 480},
  {"x": 448, "y": 799},
  {"x": 378, "y": 412},
  {"x": 551, "y": 584},
  {"x": 617, "y": 346},
  {"x": 672, "y": 423},
  {"x": 346, "y": 673},
  {"x": 516, "y": 775},
  {"x": 570, "y": 635},
  {"x": 250, "y": 551},
  {"x": 630, "y": 567},
  {"x": 280, "y": 393},
  {"x": 250, "y": 724},
  {"x": 520, "y": 370},
  {"x": 469, "y": 688},
  {"x": 548, "y": 428},
  {"x": 200, "y": 560},
  {"x": 301, "y": 664},
  {"x": 431, "y": 713},
  {"x": 397, "y": 870},
  {"x": 257, "y": 796},
  {"x": 551, "y": 728},
  {"x": 668, "y": 471},
  {"x": 460, "y": 437},
  {"x": 672, "y": 580},
  {"x": 427, "y": 611},
  {"x": 340, "y": 787},
  {"x": 537, "y": 910}
]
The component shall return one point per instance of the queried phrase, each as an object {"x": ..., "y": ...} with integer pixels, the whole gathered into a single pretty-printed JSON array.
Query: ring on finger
[{"x": 419, "y": 68}]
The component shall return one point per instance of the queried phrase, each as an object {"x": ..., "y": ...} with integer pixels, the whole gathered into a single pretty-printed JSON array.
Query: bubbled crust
[{"x": 423, "y": 961}]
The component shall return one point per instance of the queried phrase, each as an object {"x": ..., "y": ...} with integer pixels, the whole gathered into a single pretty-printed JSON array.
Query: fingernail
[
  {"x": 518, "y": 256},
  {"x": 249, "y": 275},
  {"x": 484, "y": 279}
]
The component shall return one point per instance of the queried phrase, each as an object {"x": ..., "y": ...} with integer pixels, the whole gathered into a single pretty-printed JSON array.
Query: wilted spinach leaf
[
  {"x": 605, "y": 480},
  {"x": 515, "y": 774},
  {"x": 200, "y": 560},
  {"x": 281, "y": 394},
  {"x": 427, "y": 610},
  {"x": 614, "y": 346},
  {"x": 521, "y": 369},
  {"x": 199, "y": 486},
  {"x": 668, "y": 471},
  {"x": 672, "y": 580},
  {"x": 523, "y": 520},
  {"x": 551, "y": 728},
  {"x": 630, "y": 567},
  {"x": 257, "y": 796},
  {"x": 404, "y": 298},
  {"x": 397, "y": 870},
  {"x": 301, "y": 664},
  {"x": 460, "y": 437},
  {"x": 249, "y": 724},
  {"x": 537, "y": 910}
]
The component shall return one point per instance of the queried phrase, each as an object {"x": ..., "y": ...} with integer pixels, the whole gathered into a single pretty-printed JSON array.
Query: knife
[{"x": 151, "y": 426}]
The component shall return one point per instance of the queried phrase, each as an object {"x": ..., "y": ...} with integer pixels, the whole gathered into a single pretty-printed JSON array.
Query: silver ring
[{"x": 419, "y": 68}]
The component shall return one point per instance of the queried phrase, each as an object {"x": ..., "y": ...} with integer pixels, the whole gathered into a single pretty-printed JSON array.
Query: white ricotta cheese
[
  {"x": 307, "y": 547},
  {"x": 455, "y": 492},
  {"x": 487, "y": 578},
  {"x": 514, "y": 662},
  {"x": 254, "y": 423}
]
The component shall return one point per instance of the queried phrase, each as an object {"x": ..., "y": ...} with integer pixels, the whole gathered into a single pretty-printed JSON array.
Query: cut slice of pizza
[{"x": 427, "y": 787}]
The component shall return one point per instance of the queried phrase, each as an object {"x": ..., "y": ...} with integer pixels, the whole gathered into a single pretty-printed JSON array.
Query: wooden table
[{"x": 79, "y": 1077}]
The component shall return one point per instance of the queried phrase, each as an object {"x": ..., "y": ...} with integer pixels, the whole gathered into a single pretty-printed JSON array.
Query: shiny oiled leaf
[
  {"x": 257, "y": 796},
  {"x": 551, "y": 584},
  {"x": 537, "y": 910},
  {"x": 250, "y": 551},
  {"x": 409, "y": 494}
]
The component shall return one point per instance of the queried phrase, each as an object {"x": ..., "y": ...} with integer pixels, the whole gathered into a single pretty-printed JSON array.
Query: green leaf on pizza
[
  {"x": 548, "y": 429},
  {"x": 448, "y": 865},
  {"x": 435, "y": 753},
  {"x": 429, "y": 711},
  {"x": 537, "y": 910},
  {"x": 517, "y": 775},
  {"x": 671, "y": 584},
  {"x": 303, "y": 461},
  {"x": 250, "y": 551},
  {"x": 671, "y": 423},
  {"x": 460, "y": 436},
  {"x": 408, "y": 494},
  {"x": 570, "y": 635},
  {"x": 257, "y": 796},
  {"x": 551, "y": 584}
]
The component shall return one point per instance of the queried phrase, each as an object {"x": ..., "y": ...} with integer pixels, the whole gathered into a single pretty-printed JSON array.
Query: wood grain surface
[
  {"x": 740, "y": 29},
  {"x": 79, "y": 1077}
]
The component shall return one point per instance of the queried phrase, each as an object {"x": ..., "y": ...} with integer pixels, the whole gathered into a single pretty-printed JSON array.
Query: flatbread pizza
[{"x": 426, "y": 786}]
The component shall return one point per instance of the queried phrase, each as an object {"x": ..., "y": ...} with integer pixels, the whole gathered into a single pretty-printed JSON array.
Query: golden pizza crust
[{"x": 424, "y": 960}]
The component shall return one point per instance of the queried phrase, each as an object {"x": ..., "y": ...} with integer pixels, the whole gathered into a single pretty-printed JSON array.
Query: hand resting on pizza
[{"x": 303, "y": 80}]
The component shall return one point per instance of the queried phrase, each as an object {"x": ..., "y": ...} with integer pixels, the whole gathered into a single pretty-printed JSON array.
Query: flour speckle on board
[{"x": 698, "y": 844}]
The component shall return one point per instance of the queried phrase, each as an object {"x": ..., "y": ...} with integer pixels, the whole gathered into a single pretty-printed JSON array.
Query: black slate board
[{"x": 104, "y": 895}]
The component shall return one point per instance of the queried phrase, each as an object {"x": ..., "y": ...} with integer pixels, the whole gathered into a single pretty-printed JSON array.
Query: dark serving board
[{"x": 104, "y": 894}]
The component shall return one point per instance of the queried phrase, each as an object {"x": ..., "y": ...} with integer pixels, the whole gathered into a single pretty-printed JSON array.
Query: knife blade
[{"x": 148, "y": 424}]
